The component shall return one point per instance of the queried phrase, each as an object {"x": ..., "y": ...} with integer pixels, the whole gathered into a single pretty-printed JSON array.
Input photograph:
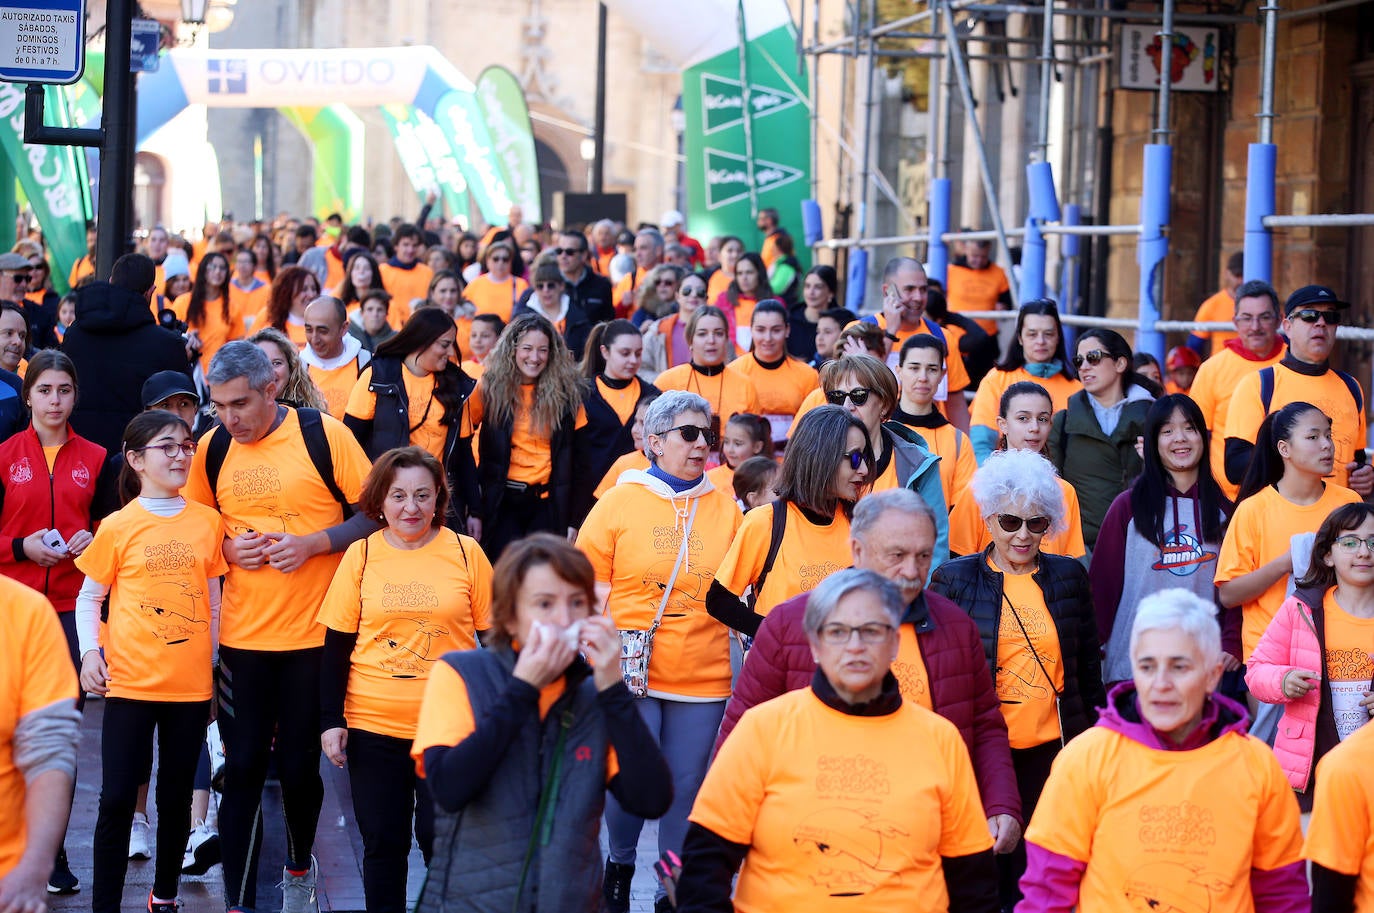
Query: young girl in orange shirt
[
  {"x": 746, "y": 435},
  {"x": 159, "y": 561}
]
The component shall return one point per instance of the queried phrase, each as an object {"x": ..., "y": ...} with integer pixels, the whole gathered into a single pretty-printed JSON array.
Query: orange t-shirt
[
  {"x": 336, "y": 385},
  {"x": 910, "y": 669},
  {"x": 977, "y": 290},
  {"x": 728, "y": 393},
  {"x": 1212, "y": 389},
  {"x": 628, "y": 285},
  {"x": 35, "y": 673},
  {"x": 423, "y": 411},
  {"x": 213, "y": 330},
  {"x": 81, "y": 269},
  {"x": 1349, "y": 641},
  {"x": 718, "y": 284},
  {"x": 635, "y": 459},
  {"x": 842, "y": 812},
  {"x": 1026, "y": 693},
  {"x": 988, "y": 400},
  {"x": 492, "y": 297},
  {"x": 808, "y": 554},
  {"x": 1340, "y": 836},
  {"x": 722, "y": 478},
  {"x": 1261, "y": 529},
  {"x": 968, "y": 534},
  {"x": 957, "y": 461},
  {"x": 814, "y": 400},
  {"x": 270, "y": 486},
  {"x": 1328, "y": 393},
  {"x": 446, "y": 715},
  {"x": 632, "y": 537},
  {"x": 768, "y": 252},
  {"x": 405, "y": 285},
  {"x": 623, "y": 401},
  {"x": 1219, "y": 308},
  {"x": 531, "y": 460},
  {"x": 781, "y": 390},
  {"x": 157, "y": 640},
  {"x": 1167, "y": 830},
  {"x": 408, "y": 608},
  {"x": 246, "y": 302}
]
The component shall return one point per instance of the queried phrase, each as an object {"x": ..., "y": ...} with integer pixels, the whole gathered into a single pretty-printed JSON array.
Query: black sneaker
[
  {"x": 172, "y": 907},
  {"x": 663, "y": 905},
  {"x": 62, "y": 881},
  {"x": 615, "y": 889}
]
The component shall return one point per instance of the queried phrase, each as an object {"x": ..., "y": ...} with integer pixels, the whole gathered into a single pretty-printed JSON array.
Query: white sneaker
[
  {"x": 298, "y": 891},
  {"x": 202, "y": 850},
  {"x": 140, "y": 846}
]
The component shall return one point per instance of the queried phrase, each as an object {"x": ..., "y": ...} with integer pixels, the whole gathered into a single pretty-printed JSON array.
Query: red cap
[{"x": 1182, "y": 357}]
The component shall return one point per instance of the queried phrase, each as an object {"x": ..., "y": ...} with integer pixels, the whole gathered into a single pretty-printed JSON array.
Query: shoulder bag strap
[{"x": 677, "y": 566}]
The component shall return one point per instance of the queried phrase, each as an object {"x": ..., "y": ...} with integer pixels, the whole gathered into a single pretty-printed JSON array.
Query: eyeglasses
[
  {"x": 544, "y": 285},
  {"x": 172, "y": 448},
  {"x": 1094, "y": 357},
  {"x": 856, "y": 458},
  {"x": 1245, "y": 320},
  {"x": 858, "y": 396},
  {"x": 690, "y": 433},
  {"x": 1312, "y": 315},
  {"x": 567, "y": 251},
  {"x": 1011, "y": 523},
  {"x": 1353, "y": 543},
  {"x": 666, "y": 282},
  {"x": 501, "y": 259},
  {"x": 692, "y": 292},
  {"x": 838, "y": 635}
]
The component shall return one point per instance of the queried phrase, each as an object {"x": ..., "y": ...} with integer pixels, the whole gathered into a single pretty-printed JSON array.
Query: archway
[{"x": 553, "y": 173}]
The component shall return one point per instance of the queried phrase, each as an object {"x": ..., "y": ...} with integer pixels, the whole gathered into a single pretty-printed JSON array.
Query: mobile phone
[
  {"x": 1361, "y": 458},
  {"x": 53, "y": 540}
]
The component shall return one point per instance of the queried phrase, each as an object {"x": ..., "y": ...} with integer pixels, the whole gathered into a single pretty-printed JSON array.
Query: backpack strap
[
  {"x": 1266, "y": 387},
  {"x": 1353, "y": 386},
  {"x": 215, "y": 452},
  {"x": 317, "y": 446},
  {"x": 774, "y": 544}
]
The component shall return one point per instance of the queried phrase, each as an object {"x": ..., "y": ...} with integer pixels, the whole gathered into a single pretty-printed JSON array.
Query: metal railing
[
  {"x": 1361, "y": 334},
  {"x": 978, "y": 235}
]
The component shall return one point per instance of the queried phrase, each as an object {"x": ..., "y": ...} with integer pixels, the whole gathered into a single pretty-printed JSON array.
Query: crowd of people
[{"x": 541, "y": 535}]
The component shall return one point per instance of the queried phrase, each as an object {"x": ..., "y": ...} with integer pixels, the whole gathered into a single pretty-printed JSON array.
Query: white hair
[
  {"x": 663, "y": 413},
  {"x": 1179, "y": 610},
  {"x": 1019, "y": 480}
]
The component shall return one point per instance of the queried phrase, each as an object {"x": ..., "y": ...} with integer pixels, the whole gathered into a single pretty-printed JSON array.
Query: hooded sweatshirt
[
  {"x": 336, "y": 376},
  {"x": 1128, "y": 820},
  {"x": 632, "y": 537}
]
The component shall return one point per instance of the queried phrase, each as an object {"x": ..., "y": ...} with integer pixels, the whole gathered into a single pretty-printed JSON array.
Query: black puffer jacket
[{"x": 977, "y": 589}]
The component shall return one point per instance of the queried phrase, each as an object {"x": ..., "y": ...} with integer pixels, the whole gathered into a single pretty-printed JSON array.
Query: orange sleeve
[
  {"x": 1204, "y": 394},
  {"x": 736, "y": 782},
  {"x": 1074, "y": 545},
  {"x": 48, "y": 675},
  {"x": 362, "y": 402},
  {"x": 1246, "y": 412},
  {"x": 988, "y": 399},
  {"x": 445, "y": 715},
  {"x": 1340, "y": 836},
  {"x": 966, "y": 464},
  {"x": 814, "y": 400},
  {"x": 596, "y": 538},
  {"x": 963, "y": 826},
  {"x": 341, "y": 609},
  {"x": 965, "y": 526},
  {"x": 743, "y": 563},
  {"x": 1238, "y": 555},
  {"x": 476, "y": 406},
  {"x": 351, "y": 464},
  {"x": 1278, "y": 831},
  {"x": 955, "y": 371},
  {"x": 99, "y": 561},
  {"x": 197, "y": 486},
  {"x": 479, "y": 595},
  {"x": 1065, "y": 819}
]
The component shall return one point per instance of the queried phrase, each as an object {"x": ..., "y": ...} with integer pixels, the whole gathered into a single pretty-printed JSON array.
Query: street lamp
[
  {"x": 587, "y": 148},
  {"x": 193, "y": 12},
  {"x": 678, "y": 119}
]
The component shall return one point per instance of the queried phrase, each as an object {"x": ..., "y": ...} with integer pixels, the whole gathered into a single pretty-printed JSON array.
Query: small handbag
[{"x": 636, "y": 647}]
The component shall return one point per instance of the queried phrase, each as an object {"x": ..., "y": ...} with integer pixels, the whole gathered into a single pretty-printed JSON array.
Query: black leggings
[
  {"x": 126, "y": 751},
  {"x": 266, "y": 695},
  {"x": 1032, "y": 767},
  {"x": 519, "y": 515},
  {"x": 386, "y": 792}
]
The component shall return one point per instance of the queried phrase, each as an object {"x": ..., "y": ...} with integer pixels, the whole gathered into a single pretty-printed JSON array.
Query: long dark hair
[
  {"x": 1116, "y": 346},
  {"x": 348, "y": 292},
  {"x": 763, "y": 290},
  {"x": 1341, "y": 520},
  {"x": 1150, "y": 490},
  {"x": 603, "y": 334},
  {"x": 1016, "y": 353},
  {"x": 418, "y": 334},
  {"x": 1266, "y": 464},
  {"x": 195, "y": 311},
  {"x": 285, "y": 286},
  {"x": 144, "y": 427},
  {"x": 812, "y": 457}
]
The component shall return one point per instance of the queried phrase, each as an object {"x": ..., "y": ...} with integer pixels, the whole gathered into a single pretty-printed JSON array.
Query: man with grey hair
[
  {"x": 283, "y": 479},
  {"x": 602, "y": 246},
  {"x": 940, "y": 662},
  {"x": 648, "y": 253},
  {"x": 332, "y": 356}
]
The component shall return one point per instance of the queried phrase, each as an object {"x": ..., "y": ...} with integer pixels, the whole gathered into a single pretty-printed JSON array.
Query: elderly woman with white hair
[
  {"x": 1167, "y": 803},
  {"x": 655, "y": 541},
  {"x": 841, "y": 793},
  {"x": 1034, "y": 613}
]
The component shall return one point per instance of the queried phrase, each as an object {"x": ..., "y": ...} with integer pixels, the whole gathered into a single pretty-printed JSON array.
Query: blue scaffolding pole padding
[
  {"x": 1154, "y": 246},
  {"x": 1070, "y": 248},
  {"x": 856, "y": 281},
  {"x": 937, "y": 254},
  {"x": 1259, "y": 202},
  {"x": 1044, "y": 207},
  {"x": 812, "y": 229},
  {"x": 1032, "y": 262}
]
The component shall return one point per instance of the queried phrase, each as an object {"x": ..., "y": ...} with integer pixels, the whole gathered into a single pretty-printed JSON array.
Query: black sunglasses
[
  {"x": 690, "y": 433},
  {"x": 856, "y": 458},
  {"x": 858, "y": 396},
  {"x": 566, "y": 251},
  {"x": 1312, "y": 315},
  {"x": 1092, "y": 358},
  {"x": 540, "y": 285},
  {"x": 1011, "y": 523}
]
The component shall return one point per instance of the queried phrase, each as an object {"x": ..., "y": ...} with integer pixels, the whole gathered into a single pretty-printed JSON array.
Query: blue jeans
[{"x": 685, "y": 731}]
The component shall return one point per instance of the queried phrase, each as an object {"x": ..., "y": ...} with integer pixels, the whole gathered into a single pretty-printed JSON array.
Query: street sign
[
  {"x": 145, "y": 39},
  {"x": 42, "y": 41}
]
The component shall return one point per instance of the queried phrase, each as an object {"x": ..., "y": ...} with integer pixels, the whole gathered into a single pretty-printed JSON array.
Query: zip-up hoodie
[{"x": 351, "y": 348}]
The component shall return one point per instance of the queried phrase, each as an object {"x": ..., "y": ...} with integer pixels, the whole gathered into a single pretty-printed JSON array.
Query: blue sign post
[{"x": 42, "y": 41}]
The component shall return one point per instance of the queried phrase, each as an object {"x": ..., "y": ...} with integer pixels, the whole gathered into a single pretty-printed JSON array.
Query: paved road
[{"x": 337, "y": 847}]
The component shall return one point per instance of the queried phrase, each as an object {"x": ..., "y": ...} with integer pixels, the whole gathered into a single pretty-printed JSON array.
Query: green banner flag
[
  {"x": 53, "y": 179},
  {"x": 508, "y": 120},
  {"x": 462, "y": 124},
  {"x": 336, "y": 140},
  {"x": 426, "y": 157}
]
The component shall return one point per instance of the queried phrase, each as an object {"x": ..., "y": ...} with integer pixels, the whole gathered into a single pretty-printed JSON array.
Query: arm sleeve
[
  {"x": 730, "y": 610},
  {"x": 984, "y": 441},
  {"x": 643, "y": 785},
  {"x": 1051, "y": 882},
  {"x": 1238, "y": 453},
  {"x": 1107, "y": 571},
  {"x": 334, "y": 668},
  {"x": 971, "y": 882},
  {"x": 1271, "y": 660},
  {"x": 216, "y": 601},
  {"x": 88, "y": 601},
  {"x": 709, "y": 863},
  {"x": 1281, "y": 890},
  {"x": 358, "y": 526},
  {"x": 361, "y": 428},
  {"x": 1278, "y": 874},
  {"x": 458, "y": 773},
  {"x": 45, "y": 739},
  {"x": 1332, "y": 892}
]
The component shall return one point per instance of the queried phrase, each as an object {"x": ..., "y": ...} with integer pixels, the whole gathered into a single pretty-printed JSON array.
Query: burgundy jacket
[{"x": 961, "y": 688}]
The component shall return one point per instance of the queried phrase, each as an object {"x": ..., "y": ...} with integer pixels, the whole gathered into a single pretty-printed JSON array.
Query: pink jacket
[{"x": 1291, "y": 642}]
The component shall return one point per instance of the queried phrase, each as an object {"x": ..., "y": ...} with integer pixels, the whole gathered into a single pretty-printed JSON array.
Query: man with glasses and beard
[
  {"x": 583, "y": 286},
  {"x": 1304, "y": 374}
]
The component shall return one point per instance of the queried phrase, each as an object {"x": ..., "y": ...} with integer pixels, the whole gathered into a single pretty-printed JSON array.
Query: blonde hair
[{"x": 299, "y": 389}]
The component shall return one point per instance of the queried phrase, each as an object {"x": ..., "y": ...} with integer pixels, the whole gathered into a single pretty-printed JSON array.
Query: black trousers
[
  {"x": 126, "y": 752},
  {"x": 267, "y": 698},
  {"x": 1032, "y": 767},
  {"x": 386, "y": 795},
  {"x": 519, "y": 514}
]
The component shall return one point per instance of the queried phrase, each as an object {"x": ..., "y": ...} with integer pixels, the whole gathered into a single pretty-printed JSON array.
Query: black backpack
[{"x": 316, "y": 445}]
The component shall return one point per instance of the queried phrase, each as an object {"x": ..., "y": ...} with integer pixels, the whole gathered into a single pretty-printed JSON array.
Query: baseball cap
[
  {"x": 11, "y": 261},
  {"x": 1307, "y": 296},
  {"x": 1182, "y": 357},
  {"x": 164, "y": 384},
  {"x": 671, "y": 218}
]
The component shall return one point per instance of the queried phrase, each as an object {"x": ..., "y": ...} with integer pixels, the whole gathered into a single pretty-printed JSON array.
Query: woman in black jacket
[
  {"x": 1034, "y": 613},
  {"x": 413, "y": 393}
]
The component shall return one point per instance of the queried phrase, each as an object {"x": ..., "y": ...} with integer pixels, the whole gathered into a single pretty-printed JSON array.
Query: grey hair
[
  {"x": 871, "y": 508},
  {"x": 653, "y": 233},
  {"x": 1023, "y": 480},
  {"x": 663, "y": 413},
  {"x": 604, "y": 223},
  {"x": 824, "y": 599},
  {"x": 1179, "y": 610},
  {"x": 240, "y": 358}
]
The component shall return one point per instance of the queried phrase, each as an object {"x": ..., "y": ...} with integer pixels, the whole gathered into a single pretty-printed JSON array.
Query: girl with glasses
[
  {"x": 498, "y": 288},
  {"x": 1093, "y": 439},
  {"x": 790, "y": 545},
  {"x": 550, "y": 299},
  {"x": 158, "y": 559},
  {"x": 1313, "y": 659},
  {"x": 725, "y": 387},
  {"x": 666, "y": 343},
  {"x": 1034, "y": 614},
  {"x": 1023, "y": 423}
]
